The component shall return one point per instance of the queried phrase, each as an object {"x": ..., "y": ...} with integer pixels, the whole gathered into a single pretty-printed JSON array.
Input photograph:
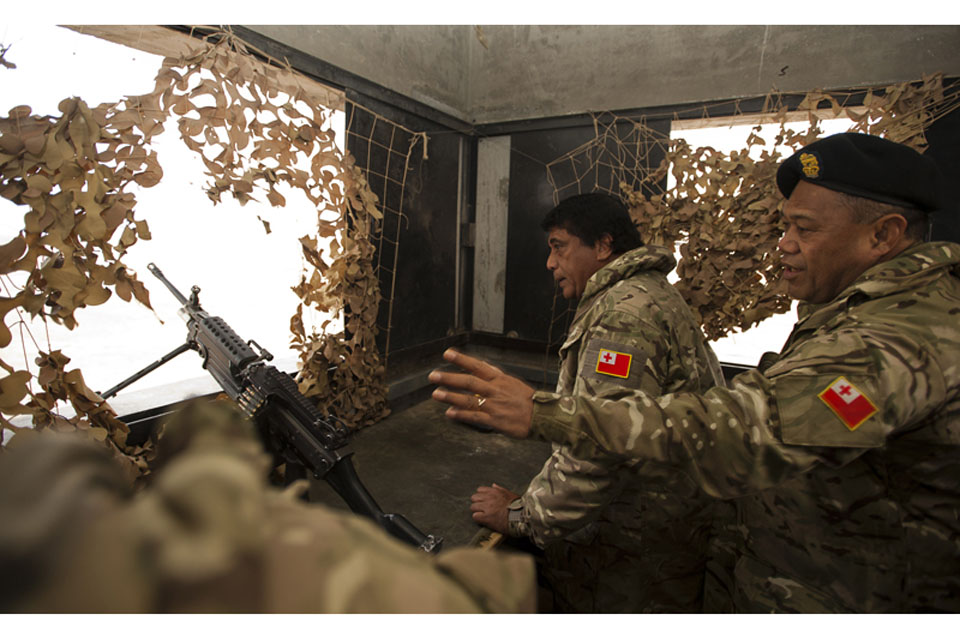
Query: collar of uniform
[
  {"x": 905, "y": 271},
  {"x": 646, "y": 258}
]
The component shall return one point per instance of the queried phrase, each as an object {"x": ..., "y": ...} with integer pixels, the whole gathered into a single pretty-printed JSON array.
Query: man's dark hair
[{"x": 591, "y": 215}]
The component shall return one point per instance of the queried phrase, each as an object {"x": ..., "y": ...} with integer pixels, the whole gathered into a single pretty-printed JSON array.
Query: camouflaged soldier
[
  {"x": 209, "y": 535},
  {"x": 614, "y": 542},
  {"x": 847, "y": 447}
]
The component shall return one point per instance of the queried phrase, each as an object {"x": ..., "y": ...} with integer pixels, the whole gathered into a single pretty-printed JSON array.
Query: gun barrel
[{"x": 159, "y": 274}]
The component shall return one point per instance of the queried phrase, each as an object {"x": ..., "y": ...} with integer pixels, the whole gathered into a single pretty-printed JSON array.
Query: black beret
[{"x": 866, "y": 166}]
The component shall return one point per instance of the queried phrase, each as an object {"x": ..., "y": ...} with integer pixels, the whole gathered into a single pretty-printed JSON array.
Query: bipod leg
[{"x": 139, "y": 374}]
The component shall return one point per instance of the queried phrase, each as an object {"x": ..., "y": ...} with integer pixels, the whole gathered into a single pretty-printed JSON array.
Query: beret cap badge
[{"x": 810, "y": 164}]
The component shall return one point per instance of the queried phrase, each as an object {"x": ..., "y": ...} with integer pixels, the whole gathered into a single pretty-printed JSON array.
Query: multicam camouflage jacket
[
  {"x": 209, "y": 535},
  {"x": 847, "y": 448},
  {"x": 615, "y": 542}
]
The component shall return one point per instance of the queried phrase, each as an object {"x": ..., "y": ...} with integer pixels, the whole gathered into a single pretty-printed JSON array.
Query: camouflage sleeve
[
  {"x": 565, "y": 496},
  {"x": 748, "y": 437},
  {"x": 570, "y": 491}
]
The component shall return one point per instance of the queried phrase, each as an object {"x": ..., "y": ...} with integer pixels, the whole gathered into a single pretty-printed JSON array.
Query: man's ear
[
  {"x": 604, "y": 247},
  {"x": 888, "y": 232}
]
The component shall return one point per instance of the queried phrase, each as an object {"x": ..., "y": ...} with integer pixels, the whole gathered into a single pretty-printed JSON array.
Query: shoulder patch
[
  {"x": 609, "y": 361},
  {"x": 848, "y": 403}
]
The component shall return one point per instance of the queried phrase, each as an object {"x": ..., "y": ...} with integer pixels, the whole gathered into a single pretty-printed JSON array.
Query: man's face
[
  {"x": 823, "y": 249},
  {"x": 573, "y": 262}
]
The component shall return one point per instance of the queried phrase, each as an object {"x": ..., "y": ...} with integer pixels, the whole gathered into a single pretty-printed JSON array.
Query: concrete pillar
[{"x": 490, "y": 251}]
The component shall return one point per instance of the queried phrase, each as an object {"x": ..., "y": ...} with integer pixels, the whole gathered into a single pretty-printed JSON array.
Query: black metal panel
[
  {"x": 530, "y": 290},
  {"x": 423, "y": 308},
  {"x": 943, "y": 138},
  {"x": 418, "y": 252},
  {"x": 696, "y": 111}
]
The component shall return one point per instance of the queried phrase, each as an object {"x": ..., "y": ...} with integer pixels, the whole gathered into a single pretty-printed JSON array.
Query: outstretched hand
[
  {"x": 489, "y": 507},
  {"x": 491, "y": 399}
]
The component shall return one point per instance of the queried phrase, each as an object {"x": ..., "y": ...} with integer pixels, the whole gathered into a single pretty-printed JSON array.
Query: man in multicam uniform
[
  {"x": 847, "y": 448},
  {"x": 615, "y": 542},
  {"x": 210, "y": 535}
]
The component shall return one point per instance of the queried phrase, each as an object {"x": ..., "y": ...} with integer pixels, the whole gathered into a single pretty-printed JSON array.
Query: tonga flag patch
[
  {"x": 614, "y": 363},
  {"x": 611, "y": 362},
  {"x": 848, "y": 403}
]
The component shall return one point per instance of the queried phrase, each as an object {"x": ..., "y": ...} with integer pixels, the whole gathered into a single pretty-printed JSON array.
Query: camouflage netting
[
  {"x": 723, "y": 211},
  {"x": 251, "y": 123}
]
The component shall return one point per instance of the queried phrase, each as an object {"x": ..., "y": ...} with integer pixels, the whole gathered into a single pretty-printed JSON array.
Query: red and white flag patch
[
  {"x": 850, "y": 405},
  {"x": 614, "y": 363}
]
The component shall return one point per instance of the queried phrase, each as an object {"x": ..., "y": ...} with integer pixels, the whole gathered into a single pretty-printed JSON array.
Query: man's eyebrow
[{"x": 799, "y": 215}]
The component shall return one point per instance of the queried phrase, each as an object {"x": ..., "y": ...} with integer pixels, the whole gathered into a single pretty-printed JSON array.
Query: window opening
[{"x": 244, "y": 273}]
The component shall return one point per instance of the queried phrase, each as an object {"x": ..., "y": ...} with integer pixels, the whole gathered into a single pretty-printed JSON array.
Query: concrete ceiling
[{"x": 501, "y": 73}]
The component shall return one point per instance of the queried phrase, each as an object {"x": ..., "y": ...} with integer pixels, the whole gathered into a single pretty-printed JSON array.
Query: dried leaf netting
[
  {"x": 345, "y": 372},
  {"x": 255, "y": 128},
  {"x": 722, "y": 211}
]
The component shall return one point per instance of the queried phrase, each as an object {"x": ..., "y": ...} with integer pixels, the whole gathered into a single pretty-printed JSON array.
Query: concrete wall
[
  {"x": 501, "y": 73},
  {"x": 426, "y": 63}
]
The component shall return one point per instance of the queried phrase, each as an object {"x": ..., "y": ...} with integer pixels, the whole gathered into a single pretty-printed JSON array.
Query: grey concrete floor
[{"x": 420, "y": 464}]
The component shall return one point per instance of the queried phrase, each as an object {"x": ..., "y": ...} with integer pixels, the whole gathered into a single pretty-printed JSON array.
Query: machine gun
[{"x": 293, "y": 428}]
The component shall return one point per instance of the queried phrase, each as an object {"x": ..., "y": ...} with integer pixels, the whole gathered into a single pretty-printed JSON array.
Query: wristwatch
[{"x": 515, "y": 517}]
